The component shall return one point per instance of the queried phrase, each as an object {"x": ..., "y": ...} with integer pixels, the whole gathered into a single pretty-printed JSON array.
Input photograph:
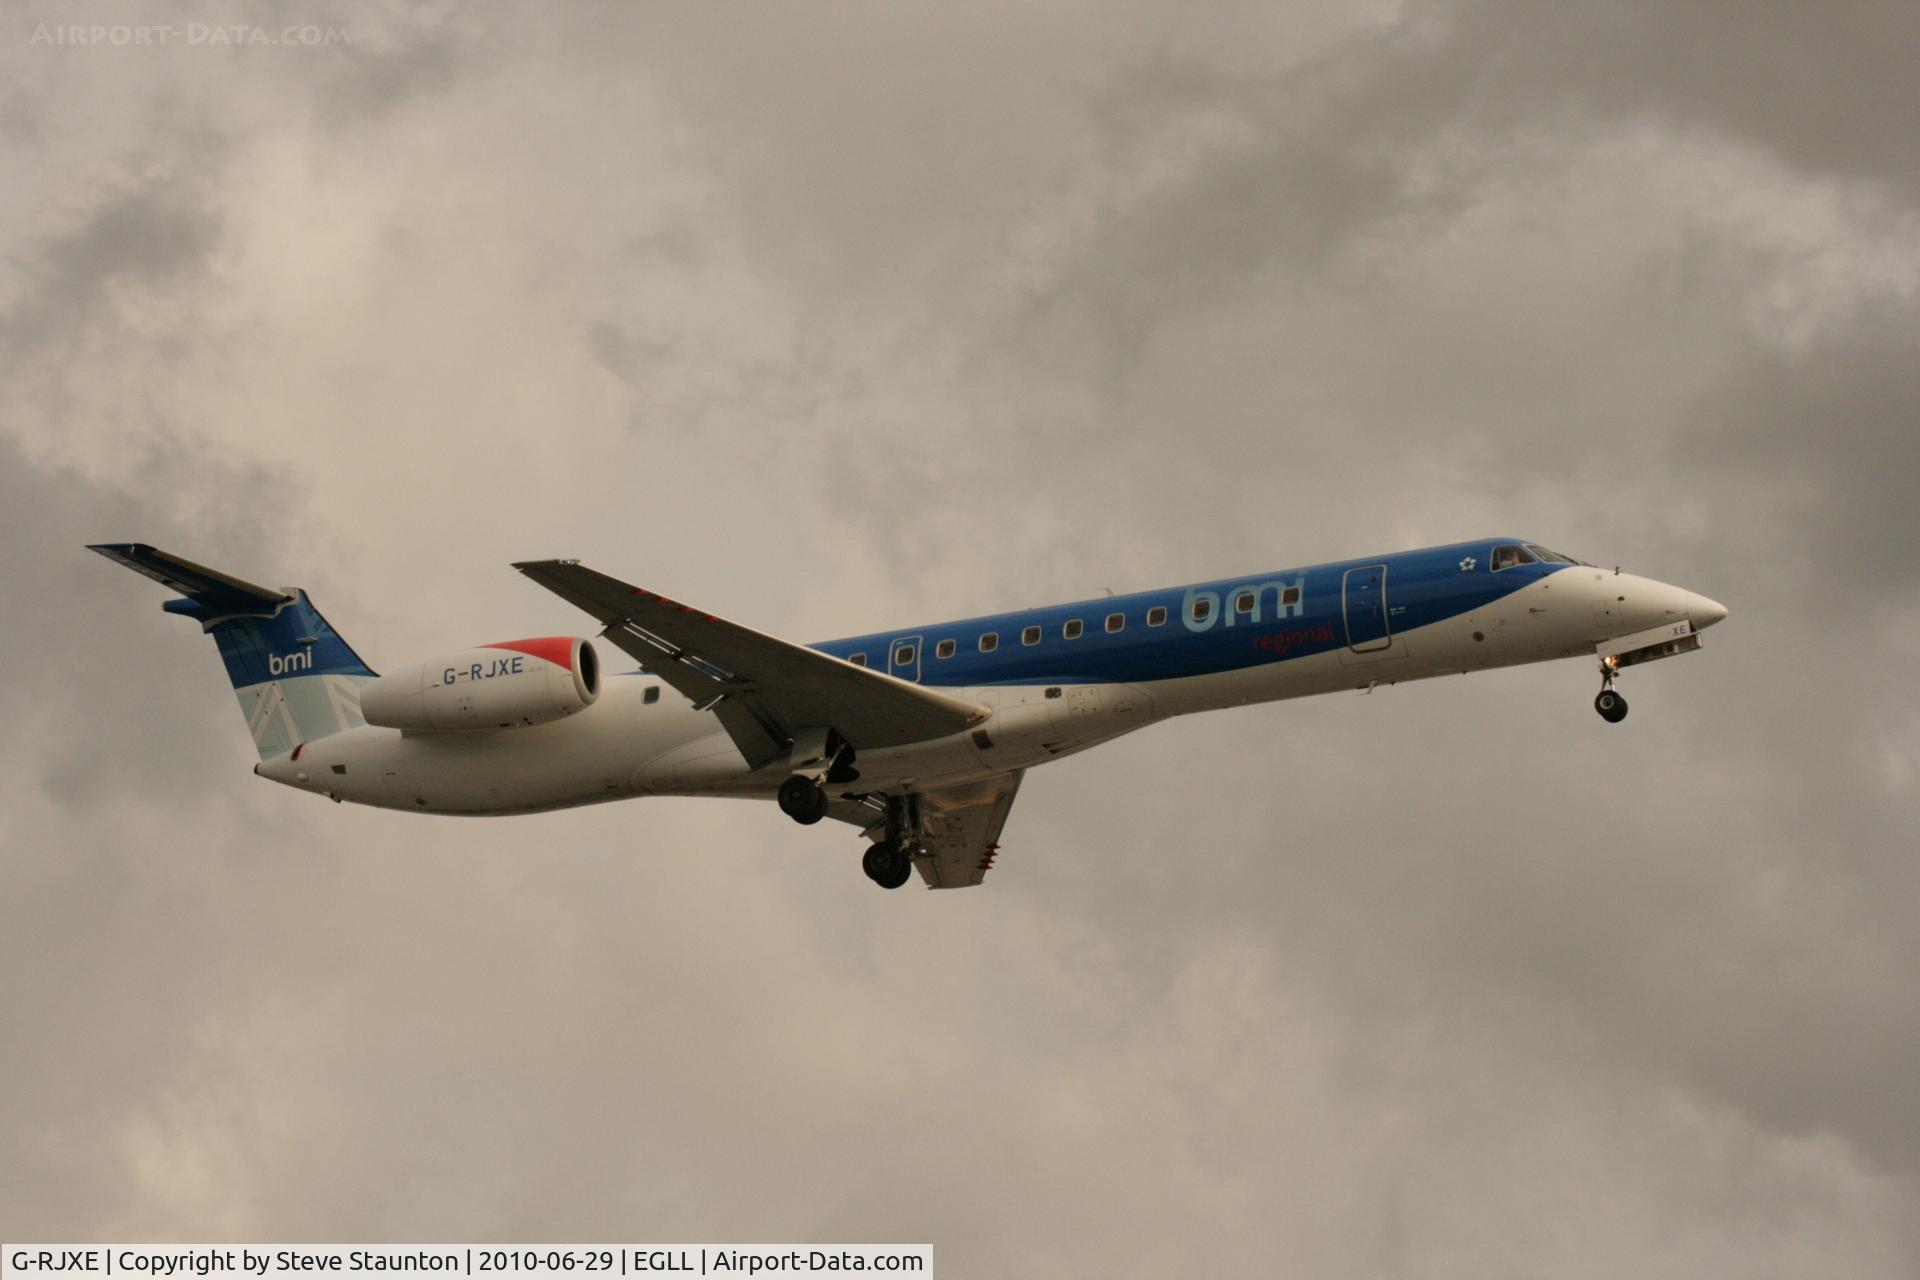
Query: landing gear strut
[
  {"x": 803, "y": 800},
  {"x": 1611, "y": 706}
]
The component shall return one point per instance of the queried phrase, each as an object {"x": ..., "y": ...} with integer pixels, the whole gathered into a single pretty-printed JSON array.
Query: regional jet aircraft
[{"x": 917, "y": 736}]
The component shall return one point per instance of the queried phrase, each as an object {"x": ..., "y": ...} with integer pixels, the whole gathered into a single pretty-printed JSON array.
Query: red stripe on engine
[{"x": 555, "y": 649}]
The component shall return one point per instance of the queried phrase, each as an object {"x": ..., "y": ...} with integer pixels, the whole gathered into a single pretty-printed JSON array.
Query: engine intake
[{"x": 508, "y": 685}]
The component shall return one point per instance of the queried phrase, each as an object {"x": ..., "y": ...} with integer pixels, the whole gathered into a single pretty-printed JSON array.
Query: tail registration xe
[{"x": 918, "y": 736}]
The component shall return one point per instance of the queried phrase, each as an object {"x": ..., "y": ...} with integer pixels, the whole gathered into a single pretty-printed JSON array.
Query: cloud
[
  {"x": 840, "y": 320},
  {"x": 144, "y": 237},
  {"x": 1830, "y": 428}
]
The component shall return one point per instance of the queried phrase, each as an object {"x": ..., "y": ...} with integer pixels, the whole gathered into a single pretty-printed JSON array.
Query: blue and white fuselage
[{"x": 934, "y": 748}]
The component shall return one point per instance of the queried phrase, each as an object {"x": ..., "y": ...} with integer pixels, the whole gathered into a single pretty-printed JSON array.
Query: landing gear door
[
  {"x": 903, "y": 658},
  {"x": 1364, "y": 602}
]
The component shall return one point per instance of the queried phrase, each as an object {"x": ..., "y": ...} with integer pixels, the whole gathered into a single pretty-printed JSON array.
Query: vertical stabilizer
[{"x": 296, "y": 679}]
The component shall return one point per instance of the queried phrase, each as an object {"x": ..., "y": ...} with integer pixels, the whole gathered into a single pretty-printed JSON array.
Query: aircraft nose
[{"x": 1703, "y": 611}]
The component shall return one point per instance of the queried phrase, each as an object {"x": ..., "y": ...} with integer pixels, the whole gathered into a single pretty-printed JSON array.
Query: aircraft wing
[
  {"x": 764, "y": 690},
  {"x": 960, "y": 830}
]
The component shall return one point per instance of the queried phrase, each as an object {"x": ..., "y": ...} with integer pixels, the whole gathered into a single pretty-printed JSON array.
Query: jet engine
[{"x": 496, "y": 686}]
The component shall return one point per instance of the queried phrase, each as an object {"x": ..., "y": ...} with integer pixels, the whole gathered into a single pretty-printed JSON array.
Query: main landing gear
[
  {"x": 888, "y": 861},
  {"x": 820, "y": 756},
  {"x": 1611, "y": 706},
  {"x": 803, "y": 800},
  {"x": 886, "y": 864}
]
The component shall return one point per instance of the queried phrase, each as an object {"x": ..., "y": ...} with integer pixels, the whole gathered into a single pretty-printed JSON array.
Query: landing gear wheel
[
  {"x": 803, "y": 800},
  {"x": 1611, "y": 706},
  {"x": 886, "y": 865}
]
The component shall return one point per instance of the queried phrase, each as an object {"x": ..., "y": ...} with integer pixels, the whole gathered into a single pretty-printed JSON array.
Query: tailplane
[{"x": 296, "y": 679}]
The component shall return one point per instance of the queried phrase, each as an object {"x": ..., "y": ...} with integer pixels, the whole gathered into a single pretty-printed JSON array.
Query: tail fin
[{"x": 296, "y": 678}]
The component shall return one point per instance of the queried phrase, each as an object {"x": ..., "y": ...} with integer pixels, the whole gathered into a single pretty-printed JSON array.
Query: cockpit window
[
  {"x": 1550, "y": 557},
  {"x": 1508, "y": 556}
]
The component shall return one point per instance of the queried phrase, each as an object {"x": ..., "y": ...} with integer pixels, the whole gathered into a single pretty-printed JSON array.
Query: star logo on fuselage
[{"x": 1467, "y": 564}]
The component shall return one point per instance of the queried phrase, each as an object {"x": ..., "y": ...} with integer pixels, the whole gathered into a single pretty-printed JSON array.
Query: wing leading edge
[{"x": 764, "y": 690}]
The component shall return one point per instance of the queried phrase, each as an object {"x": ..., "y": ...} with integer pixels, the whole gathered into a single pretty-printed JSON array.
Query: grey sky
[{"x": 832, "y": 317}]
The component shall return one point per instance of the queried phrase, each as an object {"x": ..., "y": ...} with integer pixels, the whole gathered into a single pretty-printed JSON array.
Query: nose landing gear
[{"x": 1611, "y": 706}]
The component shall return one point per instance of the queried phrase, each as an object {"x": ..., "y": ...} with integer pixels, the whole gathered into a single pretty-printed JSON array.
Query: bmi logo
[
  {"x": 301, "y": 661},
  {"x": 1201, "y": 609}
]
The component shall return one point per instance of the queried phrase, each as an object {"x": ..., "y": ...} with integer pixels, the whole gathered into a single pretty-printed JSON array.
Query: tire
[
  {"x": 886, "y": 865},
  {"x": 802, "y": 800},
  {"x": 1611, "y": 706}
]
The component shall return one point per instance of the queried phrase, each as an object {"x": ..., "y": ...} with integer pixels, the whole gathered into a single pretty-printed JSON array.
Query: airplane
[{"x": 918, "y": 736}]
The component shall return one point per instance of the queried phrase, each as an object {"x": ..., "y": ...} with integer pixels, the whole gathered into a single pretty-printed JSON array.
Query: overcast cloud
[{"x": 838, "y": 316}]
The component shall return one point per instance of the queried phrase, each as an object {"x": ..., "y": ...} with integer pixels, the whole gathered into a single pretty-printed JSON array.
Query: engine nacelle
[{"x": 496, "y": 686}]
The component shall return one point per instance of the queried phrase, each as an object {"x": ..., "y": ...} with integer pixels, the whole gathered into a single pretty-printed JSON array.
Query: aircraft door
[
  {"x": 903, "y": 658},
  {"x": 1364, "y": 602}
]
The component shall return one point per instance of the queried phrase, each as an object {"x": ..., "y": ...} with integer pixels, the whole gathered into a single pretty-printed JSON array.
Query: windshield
[{"x": 1551, "y": 557}]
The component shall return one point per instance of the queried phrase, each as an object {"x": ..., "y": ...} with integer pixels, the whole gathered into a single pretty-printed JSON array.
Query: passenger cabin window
[
  {"x": 857, "y": 659},
  {"x": 1115, "y": 621},
  {"x": 944, "y": 649},
  {"x": 1202, "y": 610},
  {"x": 903, "y": 656},
  {"x": 989, "y": 642},
  {"x": 1508, "y": 557},
  {"x": 1073, "y": 629},
  {"x": 1243, "y": 603},
  {"x": 1290, "y": 596},
  {"x": 652, "y": 695},
  {"x": 1030, "y": 635},
  {"x": 1157, "y": 615}
]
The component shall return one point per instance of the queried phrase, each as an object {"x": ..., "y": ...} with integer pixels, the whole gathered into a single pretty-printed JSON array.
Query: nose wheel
[{"x": 1611, "y": 706}]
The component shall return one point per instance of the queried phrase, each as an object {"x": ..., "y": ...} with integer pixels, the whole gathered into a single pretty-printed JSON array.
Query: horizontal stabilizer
[{"x": 208, "y": 587}]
